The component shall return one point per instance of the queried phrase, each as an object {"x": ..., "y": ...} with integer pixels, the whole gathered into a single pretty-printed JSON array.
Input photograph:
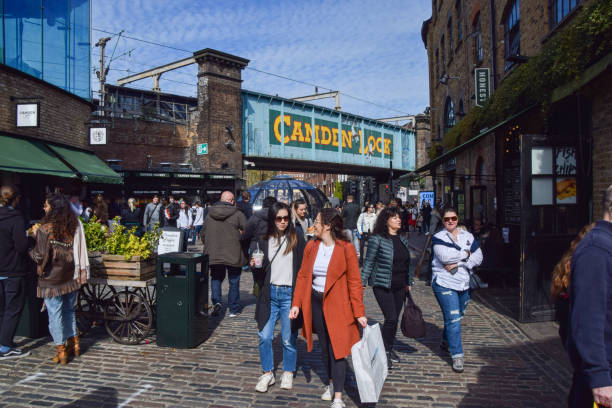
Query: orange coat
[{"x": 342, "y": 298}]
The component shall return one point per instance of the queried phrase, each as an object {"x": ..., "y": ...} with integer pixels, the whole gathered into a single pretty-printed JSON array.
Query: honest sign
[
  {"x": 298, "y": 132},
  {"x": 202, "y": 149},
  {"x": 483, "y": 85}
]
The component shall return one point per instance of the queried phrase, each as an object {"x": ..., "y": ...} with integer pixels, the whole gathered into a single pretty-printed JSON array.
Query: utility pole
[
  {"x": 391, "y": 178},
  {"x": 102, "y": 72}
]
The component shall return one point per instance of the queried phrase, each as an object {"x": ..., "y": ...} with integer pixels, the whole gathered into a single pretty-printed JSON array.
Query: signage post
[{"x": 482, "y": 86}]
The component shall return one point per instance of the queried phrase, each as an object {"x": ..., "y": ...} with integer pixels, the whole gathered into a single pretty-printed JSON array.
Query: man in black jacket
[
  {"x": 13, "y": 270},
  {"x": 350, "y": 214},
  {"x": 589, "y": 342}
]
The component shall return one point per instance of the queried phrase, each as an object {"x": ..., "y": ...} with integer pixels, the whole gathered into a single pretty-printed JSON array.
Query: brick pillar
[{"x": 218, "y": 120}]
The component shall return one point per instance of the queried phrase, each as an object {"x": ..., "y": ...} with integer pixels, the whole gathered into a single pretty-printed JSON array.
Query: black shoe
[
  {"x": 394, "y": 357},
  {"x": 389, "y": 362},
  {"x": 216, "y": 309},
  {"x": 444, "y": 346},
  {"x": 13, "y": 353}
]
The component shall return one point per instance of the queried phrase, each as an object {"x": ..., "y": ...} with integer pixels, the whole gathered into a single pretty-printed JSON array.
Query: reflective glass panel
[
  {"x": 541, "y": 160},
  {"x": 542, "y": 191},
  {"x": 79, "y": 48},
  {"x": 22, "y": 36},
  {"x": 55, "y": 35}
]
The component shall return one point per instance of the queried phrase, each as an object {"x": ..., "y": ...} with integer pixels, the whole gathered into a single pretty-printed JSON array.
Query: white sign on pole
[
  {"x": 97, "y": 136},
  {"x": 27, "y": 115},
  {"x": 171, "y": 240}
]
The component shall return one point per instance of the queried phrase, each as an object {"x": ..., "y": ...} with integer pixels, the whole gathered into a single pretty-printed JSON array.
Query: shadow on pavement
[{"x": 101, "y": 397}]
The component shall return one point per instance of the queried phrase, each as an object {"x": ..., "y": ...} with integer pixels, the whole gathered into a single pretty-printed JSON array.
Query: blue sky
[{"x": 371, "y": 50}]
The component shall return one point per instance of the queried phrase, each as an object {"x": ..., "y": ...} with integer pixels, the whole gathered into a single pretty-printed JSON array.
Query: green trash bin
[
  {"x": 33, "y": 323},
  {"x": 182, "y": 292}
]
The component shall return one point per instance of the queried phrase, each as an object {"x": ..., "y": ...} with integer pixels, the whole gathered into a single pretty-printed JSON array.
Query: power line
[{"x": 253, "y": 69}]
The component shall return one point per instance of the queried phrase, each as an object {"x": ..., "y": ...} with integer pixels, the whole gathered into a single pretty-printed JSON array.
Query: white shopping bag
[{"x": 370, "y": 364}]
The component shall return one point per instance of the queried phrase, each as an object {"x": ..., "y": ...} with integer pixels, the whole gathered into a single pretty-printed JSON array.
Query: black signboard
[{"x": 512, "y": 191}]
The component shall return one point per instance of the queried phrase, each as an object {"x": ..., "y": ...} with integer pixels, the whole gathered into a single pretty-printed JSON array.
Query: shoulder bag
[{"x": 412, "y": 325}]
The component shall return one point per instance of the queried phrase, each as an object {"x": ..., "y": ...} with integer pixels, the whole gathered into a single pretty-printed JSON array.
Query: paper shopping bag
[{"x": 370, "y": 364}]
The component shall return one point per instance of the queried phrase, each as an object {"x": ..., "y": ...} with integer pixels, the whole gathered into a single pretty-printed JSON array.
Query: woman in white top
[
  {"x": 365, "y": 226},
  {"x": 283, "y": 249},
  {"x": 455, "y": 254},
  {"x": 329, "y": 295},
  {"x": 184, "y": 222}
]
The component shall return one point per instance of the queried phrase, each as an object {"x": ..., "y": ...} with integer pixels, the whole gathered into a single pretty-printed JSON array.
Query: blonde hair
[
  {"x": 8, "y": 194},
  {"x": 132, "y": 203}
]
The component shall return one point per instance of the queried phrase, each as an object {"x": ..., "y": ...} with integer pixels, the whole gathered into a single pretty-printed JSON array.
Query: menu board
[
  {"x": 512, "y": 191},
  {"x": 171, "y": 240}
]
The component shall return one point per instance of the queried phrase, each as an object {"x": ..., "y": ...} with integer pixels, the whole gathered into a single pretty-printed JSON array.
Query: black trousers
[
  {"x": 362, "y": 242},
  {"x": 336, "y": 369},
  {"x": 581, "y": 395},
  {"x": 12, "y": 299},
  {"x": 390, "y": 302}
]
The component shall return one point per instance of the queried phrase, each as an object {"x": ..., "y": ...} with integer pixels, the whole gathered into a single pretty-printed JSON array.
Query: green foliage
[
  {"x": 564, "y": 58},
  {"x": 338, "y": 190},
  {"x": 121, "y": 241}
]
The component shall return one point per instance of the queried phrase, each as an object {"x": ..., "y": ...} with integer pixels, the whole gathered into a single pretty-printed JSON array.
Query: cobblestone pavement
[{"x": 504, "y": 368}]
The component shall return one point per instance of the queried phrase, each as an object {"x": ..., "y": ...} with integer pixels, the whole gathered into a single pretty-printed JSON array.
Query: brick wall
[{"x": 62, "y": 114}]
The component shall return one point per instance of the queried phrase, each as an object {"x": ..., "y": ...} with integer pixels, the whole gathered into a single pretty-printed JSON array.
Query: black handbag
[{"x": 413, "y": 325}]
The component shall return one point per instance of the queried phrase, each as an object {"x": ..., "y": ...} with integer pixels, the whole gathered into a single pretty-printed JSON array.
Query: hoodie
[
  {"x": 256, "y": 228},
  {"x": 13, "y": 243},
  {"x": 221, "y": 235}
]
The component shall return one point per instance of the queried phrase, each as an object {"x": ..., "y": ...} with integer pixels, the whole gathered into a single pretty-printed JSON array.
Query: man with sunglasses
[
  {"x": 455, "y": 254},
  {"x": 221, "y": 238}
]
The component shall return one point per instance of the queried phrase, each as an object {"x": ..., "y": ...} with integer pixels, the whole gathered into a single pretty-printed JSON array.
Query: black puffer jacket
[
  {"x": 378, "y": 266},
  {"x": 256, "y": 228},
  {"x": 13, "y": 243}
]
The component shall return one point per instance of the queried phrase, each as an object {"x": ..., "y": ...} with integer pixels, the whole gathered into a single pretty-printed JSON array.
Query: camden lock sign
[
  {"x": 482, "y": 86},
  {"x": 298, "y": 132}
]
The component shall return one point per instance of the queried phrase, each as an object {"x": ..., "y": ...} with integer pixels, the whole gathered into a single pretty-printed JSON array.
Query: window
[
  {"x": 442, "y": 46},
  {"x": 561, "y": 8},
  {"x": 449, "y": 32},
  {"x": 459, "y": 28},
  {"x": 449, "y": 114},
  {"x": 437, "y": 63},
  {"x": 512, "y": 34},
  {"x": 478, "y": 39}
]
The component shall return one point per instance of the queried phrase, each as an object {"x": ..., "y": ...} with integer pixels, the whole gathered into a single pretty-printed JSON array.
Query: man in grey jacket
[
  {"x": 151, "y": 214},
  {"x": 220, "y": 235}
]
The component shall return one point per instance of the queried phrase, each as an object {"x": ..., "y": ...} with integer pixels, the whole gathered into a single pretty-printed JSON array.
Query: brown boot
[
  {"x": 61, "y": 355},
  {"x": 73, "y": 346}
]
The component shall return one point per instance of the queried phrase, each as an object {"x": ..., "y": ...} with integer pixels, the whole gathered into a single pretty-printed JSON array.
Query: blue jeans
[
  {"x": 196, "y": 231},
  {"x": 62, "y": 323},
  {"x": 352, "y": 236},
  {"x": 280, "y": 303},
  {"x": 217, "y": 273},
  {"x": 453, "y": 304}
]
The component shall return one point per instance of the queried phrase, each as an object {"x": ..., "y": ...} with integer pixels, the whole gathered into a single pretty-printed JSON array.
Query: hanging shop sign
[
  {"x": 28, "y": 114},
  {"x": 97, "y": 136},
  {"x": 202, "y": 149},
  {"x": 482, "y": 85},
  {"x": 151, "y": 174},
  {"x": 188, "y": 176}
]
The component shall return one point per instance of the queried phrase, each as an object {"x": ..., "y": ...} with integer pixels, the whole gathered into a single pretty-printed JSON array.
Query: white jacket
[
  {"x": 447, "y": 251},
  {"x": 184, "y": 220},
  {"x": 365, "y": 222}
]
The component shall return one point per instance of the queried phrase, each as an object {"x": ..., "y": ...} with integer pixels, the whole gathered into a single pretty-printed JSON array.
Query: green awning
[
  {"x": 28, "y": 156},
  {"x": 89, "y": 166}
]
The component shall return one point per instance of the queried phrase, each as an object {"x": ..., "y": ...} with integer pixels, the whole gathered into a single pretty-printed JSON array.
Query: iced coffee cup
[{"x": 258, "y": 258}]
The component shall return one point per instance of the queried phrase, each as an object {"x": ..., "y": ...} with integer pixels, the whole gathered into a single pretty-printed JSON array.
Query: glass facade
[{"x": 48, "y": 39}]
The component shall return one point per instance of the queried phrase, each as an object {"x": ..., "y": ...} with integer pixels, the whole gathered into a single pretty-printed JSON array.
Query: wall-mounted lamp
[
  {"x": 444, "y": 79},
  {"x": 518, "y": 59}
]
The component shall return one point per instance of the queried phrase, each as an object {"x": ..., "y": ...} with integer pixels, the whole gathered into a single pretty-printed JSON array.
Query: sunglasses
[
  {"x": 283, "y": 218},
  {"x": 447, "y": 219}
]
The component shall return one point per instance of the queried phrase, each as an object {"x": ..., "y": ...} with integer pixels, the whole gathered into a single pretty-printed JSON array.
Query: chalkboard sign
[
  {"x": 171, "y": 240},
  {"x": 512, "y": 191}
]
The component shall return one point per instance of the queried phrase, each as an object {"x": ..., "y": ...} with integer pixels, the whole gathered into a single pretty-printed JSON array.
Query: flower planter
[{"x": 118, "y": 268}]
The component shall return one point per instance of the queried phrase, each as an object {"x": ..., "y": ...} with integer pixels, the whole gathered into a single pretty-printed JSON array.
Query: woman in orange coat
[{"x": 328, "y": 291}]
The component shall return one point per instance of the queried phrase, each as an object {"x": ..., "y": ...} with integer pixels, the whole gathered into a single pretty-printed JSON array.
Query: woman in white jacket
[
  {"x": 365, "y": 226},
  {"x": 456, "y": 253}
]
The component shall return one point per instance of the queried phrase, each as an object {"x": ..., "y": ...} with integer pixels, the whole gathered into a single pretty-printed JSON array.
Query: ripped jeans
[{"x": 453, "y": 304}]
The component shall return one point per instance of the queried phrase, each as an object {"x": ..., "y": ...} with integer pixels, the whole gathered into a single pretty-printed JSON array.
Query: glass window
[
  {"x": 459, "y": 28},
  {"x": 79, "y": 46},
  {"x": 449, "y": 113},
  {"x": 478, "y": 40},
  {"x": 22, "y": 36},
  {"x": 512, "y": 34},
  {"x": 449, "y": 32},
  {"x": 437, "y": 63},
  {"x": 442, "y": 47},
  {"x": 541, "y": 191},
  {"x": 55, "y": 38},
  {"x": 541, "y": 160},
  {"x": 561, "y": 8}
]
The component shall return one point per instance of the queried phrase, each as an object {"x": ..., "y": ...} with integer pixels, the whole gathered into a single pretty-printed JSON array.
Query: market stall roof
[
  {"x": 89, "y": 166},
  {"x": 30, "y": 156}
]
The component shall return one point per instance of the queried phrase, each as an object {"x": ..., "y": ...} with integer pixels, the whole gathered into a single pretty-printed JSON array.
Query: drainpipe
[{"x": 493, "y": 56}]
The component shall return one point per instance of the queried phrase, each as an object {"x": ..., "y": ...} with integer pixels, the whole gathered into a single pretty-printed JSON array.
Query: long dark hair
[
  {"x": 63, "y": 220},
  {"x": 273, "y": 231},
  {"x": 380, "y": 227},
  {"x": 331, "y": 217}
]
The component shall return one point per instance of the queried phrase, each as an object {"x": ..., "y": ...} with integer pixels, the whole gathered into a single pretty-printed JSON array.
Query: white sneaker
[
  {"x": 328, "y": 393},
  {"x": 337, "y": 404},
  {"x": 287, "y": 380},
  {"x": 264, "y": 382}
]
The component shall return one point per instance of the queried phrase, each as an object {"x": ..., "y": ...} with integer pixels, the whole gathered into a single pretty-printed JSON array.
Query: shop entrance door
[{"x": 478, "y": 202}]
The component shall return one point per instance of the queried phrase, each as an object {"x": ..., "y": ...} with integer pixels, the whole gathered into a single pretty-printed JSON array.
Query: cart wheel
[
  {"x": 91, "y": 301},
  {"x": 128, "y": 318}
]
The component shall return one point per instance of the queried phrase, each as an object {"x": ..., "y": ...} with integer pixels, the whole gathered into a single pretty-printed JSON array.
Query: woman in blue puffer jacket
[{"x": 387, "y": 269}]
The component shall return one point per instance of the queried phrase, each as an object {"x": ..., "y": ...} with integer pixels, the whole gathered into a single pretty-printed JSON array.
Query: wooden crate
[{"x": 117, "y": 267}]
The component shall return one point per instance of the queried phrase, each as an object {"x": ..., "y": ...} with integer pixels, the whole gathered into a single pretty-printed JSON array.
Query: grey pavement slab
[{"x": 504, "y": 368}]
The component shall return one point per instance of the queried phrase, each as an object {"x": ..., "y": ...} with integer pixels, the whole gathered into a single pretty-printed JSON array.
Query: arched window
[
  {"x": 512, "y": 33},
  {"x": 449, "y": 113}
]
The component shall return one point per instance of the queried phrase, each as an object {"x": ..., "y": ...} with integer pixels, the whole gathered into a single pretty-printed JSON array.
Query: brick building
[{"x": 529, "y": 159}]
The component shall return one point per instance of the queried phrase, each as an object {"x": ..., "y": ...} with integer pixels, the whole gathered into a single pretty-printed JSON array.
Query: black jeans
[
  {"x": 12, "y": 299},
  {"x": 336, "y": 369},
  {"x": 362, "y": 242},
  {"x": 390, "y": 302}
]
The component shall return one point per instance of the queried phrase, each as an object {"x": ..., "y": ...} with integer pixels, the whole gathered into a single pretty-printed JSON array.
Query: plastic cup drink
[{"x": 258, "y": 257}]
